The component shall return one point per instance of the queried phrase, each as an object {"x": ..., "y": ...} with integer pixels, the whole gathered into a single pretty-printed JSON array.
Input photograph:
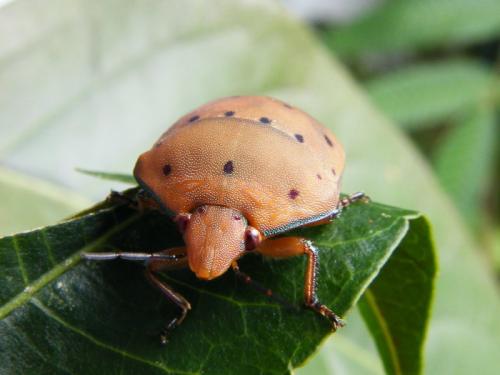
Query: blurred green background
[{"x": 410, "y": 87}]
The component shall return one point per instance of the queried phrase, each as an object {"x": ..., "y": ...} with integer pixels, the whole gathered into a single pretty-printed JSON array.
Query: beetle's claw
[
  {"x": 334, "y": 319},
  {"x": 168, "y": 329},
  {"x": 337, "y": 323},
  {"x": 163, "y": 338}
]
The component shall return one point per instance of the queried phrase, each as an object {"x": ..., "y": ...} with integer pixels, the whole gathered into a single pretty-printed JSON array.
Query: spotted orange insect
[{"x": 234, "y": 174}]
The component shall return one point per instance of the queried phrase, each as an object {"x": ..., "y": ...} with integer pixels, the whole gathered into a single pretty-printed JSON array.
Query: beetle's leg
[
  {"x": 347, "y": 201},
  {"x": 259, "y": 287},
  {"x": 141, "y": 201},
  {"x": 343, "y": 203},
  {"x": 136, "y": 256},
  {"x": 156, "y": 262},
  {"x": 310, "y": 286},
  {"x": 291, "y": 246},
  {"x": 153, "y": 266}
]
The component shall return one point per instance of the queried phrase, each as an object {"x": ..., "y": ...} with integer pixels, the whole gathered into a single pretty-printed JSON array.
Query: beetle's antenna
[{"x": 262, "y": 289}]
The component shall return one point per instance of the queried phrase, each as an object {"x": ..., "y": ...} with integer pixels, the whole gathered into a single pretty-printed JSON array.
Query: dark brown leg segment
[
  {"x": 141, "y": 201},
  {"x": 156, "y": 262},
  {"x": 260, "y": 288},
  {"x": 173, "y": 296},
  {"x": 155, "y": 265}
]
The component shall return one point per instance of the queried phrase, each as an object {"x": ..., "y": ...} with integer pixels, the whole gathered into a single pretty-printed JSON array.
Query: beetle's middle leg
[
  {"x": 291, "y": 246},
  {"x": 259, "y": 287},
  {"x": 156, "y": 262}
]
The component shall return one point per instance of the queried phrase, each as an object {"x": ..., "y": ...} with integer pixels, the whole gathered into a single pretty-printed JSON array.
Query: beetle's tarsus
[
  {"x": 335, "y": 321},
  {"x": 168, "y": 330}
]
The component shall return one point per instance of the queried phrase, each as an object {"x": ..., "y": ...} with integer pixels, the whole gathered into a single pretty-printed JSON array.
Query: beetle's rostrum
[{"x": 234, "y": 174}]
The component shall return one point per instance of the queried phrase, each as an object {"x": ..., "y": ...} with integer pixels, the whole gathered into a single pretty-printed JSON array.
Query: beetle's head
[{"x": 216, "y": 236}]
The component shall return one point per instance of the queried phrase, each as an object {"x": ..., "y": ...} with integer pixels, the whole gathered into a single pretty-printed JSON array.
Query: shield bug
[{"x": 234, "y": 174}]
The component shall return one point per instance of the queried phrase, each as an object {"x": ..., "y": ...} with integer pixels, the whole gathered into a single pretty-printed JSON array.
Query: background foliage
[{"x": 92, "y": 84}]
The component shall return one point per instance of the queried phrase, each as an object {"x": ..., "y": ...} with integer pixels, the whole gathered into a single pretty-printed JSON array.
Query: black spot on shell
[
  {"x": 333, "y": 171},
  {"x": 229, "y": 167},
  {"x": 319, "y": 176},
  {"x": 236, "y": 217},
  {"x": 229, "y": 113},
  {"x": 329, "y": 141},
  {"x": 194, "y": 118},
  {"x": 167, "y": 169},
  {"x": 287, "y": 105},
  {"x": 264, "y": 120},
  {"x": 293, "y": 194},
  {"x": 299, "y": 138}
]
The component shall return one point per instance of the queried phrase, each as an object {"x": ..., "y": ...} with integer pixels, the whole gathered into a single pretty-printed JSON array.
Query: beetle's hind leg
[{"x": 156, "y": 262}]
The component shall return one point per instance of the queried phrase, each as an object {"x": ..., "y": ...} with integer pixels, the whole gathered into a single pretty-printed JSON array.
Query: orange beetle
[{"x": 233, "y": 174}]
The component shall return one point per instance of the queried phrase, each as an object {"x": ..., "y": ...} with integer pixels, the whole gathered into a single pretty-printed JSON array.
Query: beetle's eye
[
  {"x": 252, "y": 238},
  {"x": 182, "y": 221}
]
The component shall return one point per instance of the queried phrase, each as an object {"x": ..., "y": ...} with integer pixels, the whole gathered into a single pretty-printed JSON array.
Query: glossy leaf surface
[{"x": 59, "y": 314}]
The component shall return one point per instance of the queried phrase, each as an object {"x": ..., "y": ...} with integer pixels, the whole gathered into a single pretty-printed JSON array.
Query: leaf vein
[
  {"x": 52, "y": 315},
  {"x": 22, "y": 268},
  {"x": 48, "y": 247},
  {"x": 27, "y": 293}
]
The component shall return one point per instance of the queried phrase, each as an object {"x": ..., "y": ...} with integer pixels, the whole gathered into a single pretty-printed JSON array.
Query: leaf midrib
[
  {"x": 382, "y": 324},
  {"x": 31, "y": 289}
]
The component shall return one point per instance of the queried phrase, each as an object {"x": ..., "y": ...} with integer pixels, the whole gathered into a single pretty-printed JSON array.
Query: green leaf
[
  {"x": 27, "y": 202},
  {"x": 121, "y": 177},
  {"x": 464, "y": 162},
  {"x": 392, "y": 306},
  {"x": 50, "y": 299},
  {"x": 424, "y": 94},
  {"x": 494, "y": 238},
  {"x": 109, "y": 77},
  {"x": 406, "y": 26}
]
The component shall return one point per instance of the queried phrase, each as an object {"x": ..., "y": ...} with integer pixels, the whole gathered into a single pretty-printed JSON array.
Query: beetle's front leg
[
  {"x": 140, "y": 201},
  {"x": 155, "y": 262},
  {"x": 291, "y": 246},
  {"x": 153, "y": 266}
]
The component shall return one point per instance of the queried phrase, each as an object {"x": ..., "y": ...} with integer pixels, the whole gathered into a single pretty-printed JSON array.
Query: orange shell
[{"x": 272, "y": 162}]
